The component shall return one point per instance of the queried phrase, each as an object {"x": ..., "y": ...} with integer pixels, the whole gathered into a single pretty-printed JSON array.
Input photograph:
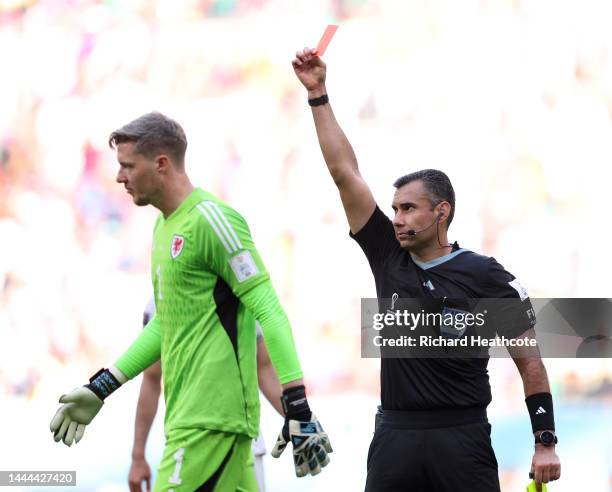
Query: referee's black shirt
[{"x": 435, "y": 383}]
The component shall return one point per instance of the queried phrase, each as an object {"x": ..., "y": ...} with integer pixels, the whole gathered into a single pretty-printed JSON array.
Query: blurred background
[{"x": 511, "y": 98}]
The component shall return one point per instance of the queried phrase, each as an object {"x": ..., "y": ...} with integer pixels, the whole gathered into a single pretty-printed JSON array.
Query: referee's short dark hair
[
  {"x": 437, "y": 185},
  {"x": 153, "y": 134}
]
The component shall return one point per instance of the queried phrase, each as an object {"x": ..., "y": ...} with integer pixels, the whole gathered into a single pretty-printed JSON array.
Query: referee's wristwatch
[{"x": 546, "y": 438}]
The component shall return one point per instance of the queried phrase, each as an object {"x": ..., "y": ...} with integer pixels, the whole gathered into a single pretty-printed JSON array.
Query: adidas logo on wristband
[{"x": 540, "y": 411}]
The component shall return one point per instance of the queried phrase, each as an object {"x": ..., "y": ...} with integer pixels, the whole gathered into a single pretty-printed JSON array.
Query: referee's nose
[{"x": 398, "y": 220}]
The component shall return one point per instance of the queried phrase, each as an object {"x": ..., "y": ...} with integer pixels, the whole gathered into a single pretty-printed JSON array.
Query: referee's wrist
[
  {"x": 138, "y": 455},
  {"x": 538, "y": 432},
  {"x": 317, "y": 92},
  {"x": 541, "y": 447}
]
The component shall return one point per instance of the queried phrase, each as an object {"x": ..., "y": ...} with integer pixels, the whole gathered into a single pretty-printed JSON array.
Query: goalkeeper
[
  {"x": 210, "y": 286},
  {"x": 147, "y": 408}
]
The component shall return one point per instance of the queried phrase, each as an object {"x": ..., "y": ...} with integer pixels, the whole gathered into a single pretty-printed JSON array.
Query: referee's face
[{"x": 413, "y": 211}]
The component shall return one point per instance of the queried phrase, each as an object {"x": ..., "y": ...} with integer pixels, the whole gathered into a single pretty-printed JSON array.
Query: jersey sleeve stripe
[
  {"x": 219, "y": 219},
  {"x": 227, "y": 224},
  {"x": 214, "y": 226}
]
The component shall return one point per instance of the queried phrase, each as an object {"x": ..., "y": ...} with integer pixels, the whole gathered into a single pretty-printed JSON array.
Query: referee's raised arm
[{"x": 355, "y": 194}]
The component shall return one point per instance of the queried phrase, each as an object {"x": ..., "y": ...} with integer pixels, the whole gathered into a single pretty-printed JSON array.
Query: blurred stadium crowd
[{"x": 512, "y": 98}]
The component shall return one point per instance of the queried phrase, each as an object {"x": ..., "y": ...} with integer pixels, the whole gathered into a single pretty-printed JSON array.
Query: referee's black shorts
[{"x": 432, "y": 451}]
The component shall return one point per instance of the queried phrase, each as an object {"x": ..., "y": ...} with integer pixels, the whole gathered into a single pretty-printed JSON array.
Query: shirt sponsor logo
[
  {"x": 177, "y": 245},
  {"x": 244, "y": 266},
  {"x": 522, "y": 292}
]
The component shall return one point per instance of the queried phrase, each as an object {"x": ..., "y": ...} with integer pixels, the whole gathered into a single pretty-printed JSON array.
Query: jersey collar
[
  {"x": 426, "y": 265},
  {"x": 188, "y": 203}
]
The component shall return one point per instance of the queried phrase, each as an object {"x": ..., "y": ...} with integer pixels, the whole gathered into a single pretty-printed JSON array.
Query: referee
[{"x": 434, "y": 434}]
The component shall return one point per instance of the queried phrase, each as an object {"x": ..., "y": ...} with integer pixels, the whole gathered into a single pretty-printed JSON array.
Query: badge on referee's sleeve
[{"x": 522, "y": 291}]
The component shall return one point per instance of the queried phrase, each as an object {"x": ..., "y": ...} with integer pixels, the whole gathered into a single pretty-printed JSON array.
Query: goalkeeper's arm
[
  {"x": 81, "y": 405},
  {"x": 229, "y": 251},
  {"x": 310, "y": 442},
  {"x": 262, "y": 301}
]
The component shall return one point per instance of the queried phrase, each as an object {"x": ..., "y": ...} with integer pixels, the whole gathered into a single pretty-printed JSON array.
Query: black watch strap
[
  {"x": 538, "y": 439},
  {"x": 319, "y": 101}
]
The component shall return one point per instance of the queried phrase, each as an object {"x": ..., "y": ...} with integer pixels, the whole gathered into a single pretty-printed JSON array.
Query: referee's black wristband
[
  {"x": 319, "y": 101},
  {"x": 540, "y": 407}
]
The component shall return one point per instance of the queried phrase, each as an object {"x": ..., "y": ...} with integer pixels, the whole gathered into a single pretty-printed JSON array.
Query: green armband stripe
[{"x": 143, "y": 352}]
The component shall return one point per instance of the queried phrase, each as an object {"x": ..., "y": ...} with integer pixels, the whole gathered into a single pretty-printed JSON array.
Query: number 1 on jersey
[{"x": 178, "y": 458}]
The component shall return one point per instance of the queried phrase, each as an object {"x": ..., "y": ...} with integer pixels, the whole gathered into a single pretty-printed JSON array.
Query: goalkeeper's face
[{"x": 138, "y": 174}]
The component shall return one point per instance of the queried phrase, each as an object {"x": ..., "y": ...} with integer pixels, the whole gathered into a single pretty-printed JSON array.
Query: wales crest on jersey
[{"x": 177, "y": 245}]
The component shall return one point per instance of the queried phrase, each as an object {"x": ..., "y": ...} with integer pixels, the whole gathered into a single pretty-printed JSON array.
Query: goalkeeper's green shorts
[{"x": 206, "y": 460}]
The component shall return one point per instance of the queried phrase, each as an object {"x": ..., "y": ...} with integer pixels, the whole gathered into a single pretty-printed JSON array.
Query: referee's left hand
[{"x": 545, "y": 465}]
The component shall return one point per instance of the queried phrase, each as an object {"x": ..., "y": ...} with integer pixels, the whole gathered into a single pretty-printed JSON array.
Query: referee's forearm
[
  {"x": 337, "y": 150},
  {"x": 534, "y": 376}
]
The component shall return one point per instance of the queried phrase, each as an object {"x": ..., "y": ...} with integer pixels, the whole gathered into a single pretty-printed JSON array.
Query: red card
[{"x": 325, "y": 40}]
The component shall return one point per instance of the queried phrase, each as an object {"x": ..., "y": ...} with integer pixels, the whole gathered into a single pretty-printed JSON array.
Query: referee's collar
[{"x": 426, "y": 265}]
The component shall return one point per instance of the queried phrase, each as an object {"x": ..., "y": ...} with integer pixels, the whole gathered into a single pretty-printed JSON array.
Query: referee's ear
[{"x": 443, "y": 211}]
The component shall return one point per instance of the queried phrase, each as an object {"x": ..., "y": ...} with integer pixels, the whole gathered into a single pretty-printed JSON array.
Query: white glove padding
[
  {"x": 310, "y": 445},
  {"x": 80, "y": 407}
]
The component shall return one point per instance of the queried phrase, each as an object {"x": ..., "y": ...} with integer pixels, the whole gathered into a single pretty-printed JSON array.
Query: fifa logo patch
[
  {"x": 177, "y": 245},
  {"x": 244, "y": 266},
  {"x": 522, "y": 292}
]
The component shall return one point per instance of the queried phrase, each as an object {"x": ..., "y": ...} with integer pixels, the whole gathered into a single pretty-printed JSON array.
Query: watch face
[{"x": 547, "y": 438}]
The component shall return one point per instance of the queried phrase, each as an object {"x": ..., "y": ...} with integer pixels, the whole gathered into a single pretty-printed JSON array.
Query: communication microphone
[{"x": 412, "y": 232}]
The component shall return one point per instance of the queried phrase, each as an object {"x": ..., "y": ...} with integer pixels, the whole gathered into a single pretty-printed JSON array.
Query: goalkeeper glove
[
  {"x": 82, "y": 404},
  {"x": 310, "y": 442}
]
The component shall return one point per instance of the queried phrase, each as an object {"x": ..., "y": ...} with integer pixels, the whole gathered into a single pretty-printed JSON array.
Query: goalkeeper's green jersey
[{"x": 203, "y": 262}]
